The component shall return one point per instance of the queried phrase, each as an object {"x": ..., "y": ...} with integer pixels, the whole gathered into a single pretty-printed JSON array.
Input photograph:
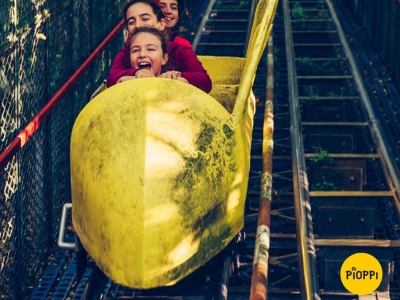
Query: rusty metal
[{"x": 258, "y": 289}]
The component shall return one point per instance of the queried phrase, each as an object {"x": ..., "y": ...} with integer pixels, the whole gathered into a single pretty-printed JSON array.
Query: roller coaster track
[
  {"x": 335, "y": 176},
  {"x": 335, "y": 182}
]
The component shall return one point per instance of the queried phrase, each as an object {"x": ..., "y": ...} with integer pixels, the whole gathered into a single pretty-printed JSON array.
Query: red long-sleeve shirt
[{"x": 181, "y": 58}]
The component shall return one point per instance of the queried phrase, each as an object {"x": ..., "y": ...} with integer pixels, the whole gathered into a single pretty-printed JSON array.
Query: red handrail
[{"x": 34, "y": 124}]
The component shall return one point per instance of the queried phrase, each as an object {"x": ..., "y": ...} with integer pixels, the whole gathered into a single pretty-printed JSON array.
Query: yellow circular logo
[{"x": 361, "y": 273}]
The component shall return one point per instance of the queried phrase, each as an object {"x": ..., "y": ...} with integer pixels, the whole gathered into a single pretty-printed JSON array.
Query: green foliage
[
  {"x": 324, "y": 186},
  {"x": 310, "y": 94},
  {"x": 243, "y": 4},
  {"x": 310, "y": 66},
  {"x": 297, "y": 12},
  {"x": 322, "y": 155},
  {"x": 305, "y": 62},
  {"x": 234, "y": 5}
]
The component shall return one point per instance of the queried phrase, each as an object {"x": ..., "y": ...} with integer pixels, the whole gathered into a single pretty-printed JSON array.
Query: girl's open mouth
[{"x": 144, "y": 65}]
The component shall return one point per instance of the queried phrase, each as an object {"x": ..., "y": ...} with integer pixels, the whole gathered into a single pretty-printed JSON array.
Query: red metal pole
[
  {"x": 34, "y": 124},
  {"x": 259, "y": 278}
]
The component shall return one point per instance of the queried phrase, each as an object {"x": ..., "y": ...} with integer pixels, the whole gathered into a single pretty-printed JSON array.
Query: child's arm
[{"x": 192, "y": 69}]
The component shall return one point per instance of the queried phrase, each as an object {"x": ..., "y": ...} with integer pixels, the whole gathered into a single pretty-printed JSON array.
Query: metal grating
[{"x": 41, "y": 46}]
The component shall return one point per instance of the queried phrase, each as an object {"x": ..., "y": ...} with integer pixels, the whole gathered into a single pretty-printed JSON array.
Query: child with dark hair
[
  {"x": 182, "y": 61},
  {"x": 172, "y": 10},
  {"x": 148, "y": 50}
]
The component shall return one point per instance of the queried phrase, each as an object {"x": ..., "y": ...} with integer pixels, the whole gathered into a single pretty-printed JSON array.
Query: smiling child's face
[
  {"x": 170, "y": 10},
  {"x": 142, "y": 15},
  {"x": 146, "y": 53}
]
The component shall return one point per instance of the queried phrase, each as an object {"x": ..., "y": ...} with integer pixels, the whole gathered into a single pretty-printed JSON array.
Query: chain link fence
[
  {"x": 42, "y": 43},
  {"x": 381, "y": 21}
]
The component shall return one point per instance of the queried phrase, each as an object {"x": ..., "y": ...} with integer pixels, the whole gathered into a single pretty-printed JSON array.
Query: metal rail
[
  {"x": 259, "y": 278},
  {"x": 305, "y": 238},
  {"x": 202, "y": 24}
]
